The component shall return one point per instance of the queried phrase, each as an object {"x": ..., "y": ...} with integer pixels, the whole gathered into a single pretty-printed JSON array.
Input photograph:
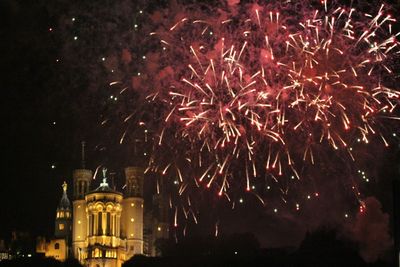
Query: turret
[
  {"x": 132, "y": 211},
  {"x": 82, "y": 178}
]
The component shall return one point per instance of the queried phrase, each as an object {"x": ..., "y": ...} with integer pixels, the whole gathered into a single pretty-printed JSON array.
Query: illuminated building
[
  {"x": 4, "y": 252},
  {"x": 107, "y": 226}
]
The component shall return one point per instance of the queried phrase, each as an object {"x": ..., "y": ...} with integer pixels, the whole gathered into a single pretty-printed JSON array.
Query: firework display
[
  {"x": 279, "y": 103},
  {"x": 244, "y": 95}
]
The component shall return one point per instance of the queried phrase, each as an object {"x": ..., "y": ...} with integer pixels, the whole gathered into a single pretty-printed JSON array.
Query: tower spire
[{"x": 83, "y": 154}]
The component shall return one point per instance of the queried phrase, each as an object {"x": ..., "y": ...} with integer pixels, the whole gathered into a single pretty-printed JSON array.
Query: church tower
[
  {"x": 82, "y": 178},
  {"x": 63, "y": 221},
  {"x": 132, "y": 215}
]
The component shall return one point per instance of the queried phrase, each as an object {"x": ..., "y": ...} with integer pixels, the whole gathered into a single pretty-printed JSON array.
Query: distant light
[
  {"x": 111, "y": 96},
  {"x": 240, "y": 200},
  {"x": 394, "y": 134},
  {"x": 50, "y": 29},
  {"x": 159, "y": 228},
  {"x": 132, "y": 220},
  {"x": 141, "y": 11},
  {"x": 308, "y": 197},
  {"x": 53, "y": 166},
  {"x": 268, "y": 187},
  {"x": 79, "y": 222},
  {"x": 29, "y": 255},
  {"x": 145, "y": 154},
  {"x": 103, "y": 58},
  {"x": 135, "y": 25},
  {"x": 54, "y": 123},
  {"x": 346, "y": 215},
  {"x": 164, "y": 48},
  {"x": 144, "y": 57},
  {"x": 75, "y": 38},
  {"x": 275, "y": 210},
  {"x": 175, "y": 182},
  {"x": 236, "y": 252},
  {"x": 292, "y": 177},
  {"x": 73, "y": 19},
  {"x": 253, "y": 187},
  {"x": 138, "y": 74},
  {"x": 211, "y": 33}
]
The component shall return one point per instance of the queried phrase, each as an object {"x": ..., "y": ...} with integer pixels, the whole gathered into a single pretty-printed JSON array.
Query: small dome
[{"x": 104, "y": 187}]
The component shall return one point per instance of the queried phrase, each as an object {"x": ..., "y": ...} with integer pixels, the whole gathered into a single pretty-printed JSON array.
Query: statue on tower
[{"x": 64, "y": 186}]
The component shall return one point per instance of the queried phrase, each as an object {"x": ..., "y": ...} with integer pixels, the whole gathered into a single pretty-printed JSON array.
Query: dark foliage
[
  {"x": 321, "y": 248},
  {"x": 39, "y": 261}
]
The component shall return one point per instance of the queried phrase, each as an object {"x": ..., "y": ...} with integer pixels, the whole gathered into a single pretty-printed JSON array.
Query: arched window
[
  {"x": 97, "y": 253},
  {"x": 56, "y": 246}
]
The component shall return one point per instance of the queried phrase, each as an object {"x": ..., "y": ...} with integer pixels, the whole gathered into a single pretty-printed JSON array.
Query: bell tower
[
  {"x": 132, "y": 211},
  {"x": 82, "y": 178},
  {"x": 63, "y": 217}
]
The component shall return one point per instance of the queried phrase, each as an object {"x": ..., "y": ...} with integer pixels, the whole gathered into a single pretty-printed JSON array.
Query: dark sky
[{"x": 49, "y": 106}]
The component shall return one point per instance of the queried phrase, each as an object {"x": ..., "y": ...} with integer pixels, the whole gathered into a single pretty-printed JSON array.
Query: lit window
[
  {"x": 96, "y": 253},
  {"x": 61, "y": 226}
]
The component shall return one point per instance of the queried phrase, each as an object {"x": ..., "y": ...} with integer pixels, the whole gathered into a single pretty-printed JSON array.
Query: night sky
[{"x": 55, "y": 93}]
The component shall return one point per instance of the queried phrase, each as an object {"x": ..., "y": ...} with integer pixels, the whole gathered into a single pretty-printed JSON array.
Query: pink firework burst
[{"x": 260, "y": 90}]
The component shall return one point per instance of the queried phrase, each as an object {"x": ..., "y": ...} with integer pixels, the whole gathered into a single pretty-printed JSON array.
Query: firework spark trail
[{"x": 264, "y": 91}]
